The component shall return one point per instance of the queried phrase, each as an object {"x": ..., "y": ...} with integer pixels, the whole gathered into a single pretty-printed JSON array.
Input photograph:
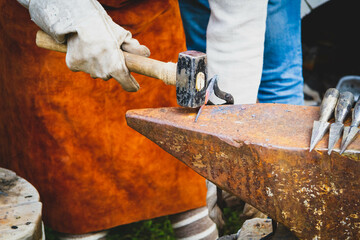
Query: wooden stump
[{"x": 20, "y": 208}]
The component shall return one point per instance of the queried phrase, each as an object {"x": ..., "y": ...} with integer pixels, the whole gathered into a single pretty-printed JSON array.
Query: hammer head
[{"x": 191, "y": 79}]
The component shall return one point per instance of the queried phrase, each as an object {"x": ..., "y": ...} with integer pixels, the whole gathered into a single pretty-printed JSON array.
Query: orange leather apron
[{"x": 66, "y": 132}]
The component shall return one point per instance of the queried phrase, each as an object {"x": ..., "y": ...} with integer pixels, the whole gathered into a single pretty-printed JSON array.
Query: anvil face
[{"x": 260, "y": 153}]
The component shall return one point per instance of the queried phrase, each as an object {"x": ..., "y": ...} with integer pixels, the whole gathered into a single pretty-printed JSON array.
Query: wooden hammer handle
[{"x": 135, "y": 63}]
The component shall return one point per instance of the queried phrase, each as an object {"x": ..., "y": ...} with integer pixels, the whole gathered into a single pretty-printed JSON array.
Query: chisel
[
  {"x": 326, "y": 109},
  {"x": 352, "y": 131},
  {"x": 343, "y": 107}
]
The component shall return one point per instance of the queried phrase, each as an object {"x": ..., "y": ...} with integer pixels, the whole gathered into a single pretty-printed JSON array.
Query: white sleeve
[
  {"x": 235, "y": 46},
  {"x": 25, "y": 3}
]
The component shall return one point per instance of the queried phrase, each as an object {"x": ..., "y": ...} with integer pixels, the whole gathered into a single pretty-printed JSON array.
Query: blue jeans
[
  {"x": 195, "y": 15},
  {"x": 282, "y": 80}
]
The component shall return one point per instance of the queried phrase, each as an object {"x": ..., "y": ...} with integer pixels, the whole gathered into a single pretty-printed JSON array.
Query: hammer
[{"x": 189, "y": 75}]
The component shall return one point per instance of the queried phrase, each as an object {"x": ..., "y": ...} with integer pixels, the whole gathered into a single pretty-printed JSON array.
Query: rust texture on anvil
[{"x": 260, "y": 153}]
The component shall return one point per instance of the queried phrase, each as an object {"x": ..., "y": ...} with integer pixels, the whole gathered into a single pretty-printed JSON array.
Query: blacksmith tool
[
  {"x": 189, "y": 75},
  {"x": 352, "y": 131},
  {"x": 326, "y": 110},
  {"x": 343, "y": 107},
  {"x": 261, "y": 162},
  {"x": 214, "y": 88},
  {"x": 208, "y": 93}
]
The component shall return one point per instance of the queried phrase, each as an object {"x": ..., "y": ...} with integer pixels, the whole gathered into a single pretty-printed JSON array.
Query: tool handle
[
  {"x": 328, "y": 104},
  {"x": 344, "y": 105},
  {"x": 135, "y": 63},
  {"x": 356, "y": 115}
]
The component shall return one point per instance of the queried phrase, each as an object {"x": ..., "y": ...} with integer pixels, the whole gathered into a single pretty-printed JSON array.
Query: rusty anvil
[{"x": 260, "y": 153}]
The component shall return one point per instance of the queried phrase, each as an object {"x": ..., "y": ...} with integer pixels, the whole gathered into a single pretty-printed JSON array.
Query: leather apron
[{"x": 66, "y": 133}]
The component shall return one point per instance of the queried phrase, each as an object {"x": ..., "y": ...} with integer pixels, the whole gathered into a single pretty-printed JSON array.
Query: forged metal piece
[
  {"x": 213, "y": 87},
  {"x": 227, "y": 97},
  {"x": 249, "y": 151},
  {"x": 343, "y": 107},
  {"x": 352, "y": 131},
  {"x": 326, "y": 109},
  {"x": 209, "y": 91}
]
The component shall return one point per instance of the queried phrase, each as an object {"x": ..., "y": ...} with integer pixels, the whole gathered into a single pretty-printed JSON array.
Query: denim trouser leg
[
  {"x": 282, "y": 80},
  {"x": 195, "y": 16}
]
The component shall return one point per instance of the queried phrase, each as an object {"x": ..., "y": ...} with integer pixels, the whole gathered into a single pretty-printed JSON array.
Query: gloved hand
[{"x": 94, "y": 41}]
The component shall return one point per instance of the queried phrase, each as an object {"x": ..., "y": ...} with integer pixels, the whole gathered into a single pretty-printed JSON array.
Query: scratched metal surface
[{"x": 261, "y": 154}]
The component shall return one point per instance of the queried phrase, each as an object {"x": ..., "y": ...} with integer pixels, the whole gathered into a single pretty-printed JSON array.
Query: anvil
[{"x": 260, "y": 153}]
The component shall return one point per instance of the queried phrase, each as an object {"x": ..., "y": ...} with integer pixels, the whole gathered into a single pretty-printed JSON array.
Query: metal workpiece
[
  {"x": 209, "y": 91},
  {"x": 343, "y": 107},
  {"x": 227, "y": 97},
  {"x": 351, "y": 132},
  {"x": 326, "y": 110},
  {"x": 214, "y": 88},
  {"x": 259, "y": 152}
]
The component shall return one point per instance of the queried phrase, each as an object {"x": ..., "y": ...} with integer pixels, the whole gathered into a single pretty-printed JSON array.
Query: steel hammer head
[{"x": 191, "y": 79}]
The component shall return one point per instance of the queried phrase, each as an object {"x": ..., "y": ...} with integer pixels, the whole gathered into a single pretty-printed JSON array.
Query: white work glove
[
  {"x": 235, "y": 46},
  {"x": 93, "y": 39}
]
